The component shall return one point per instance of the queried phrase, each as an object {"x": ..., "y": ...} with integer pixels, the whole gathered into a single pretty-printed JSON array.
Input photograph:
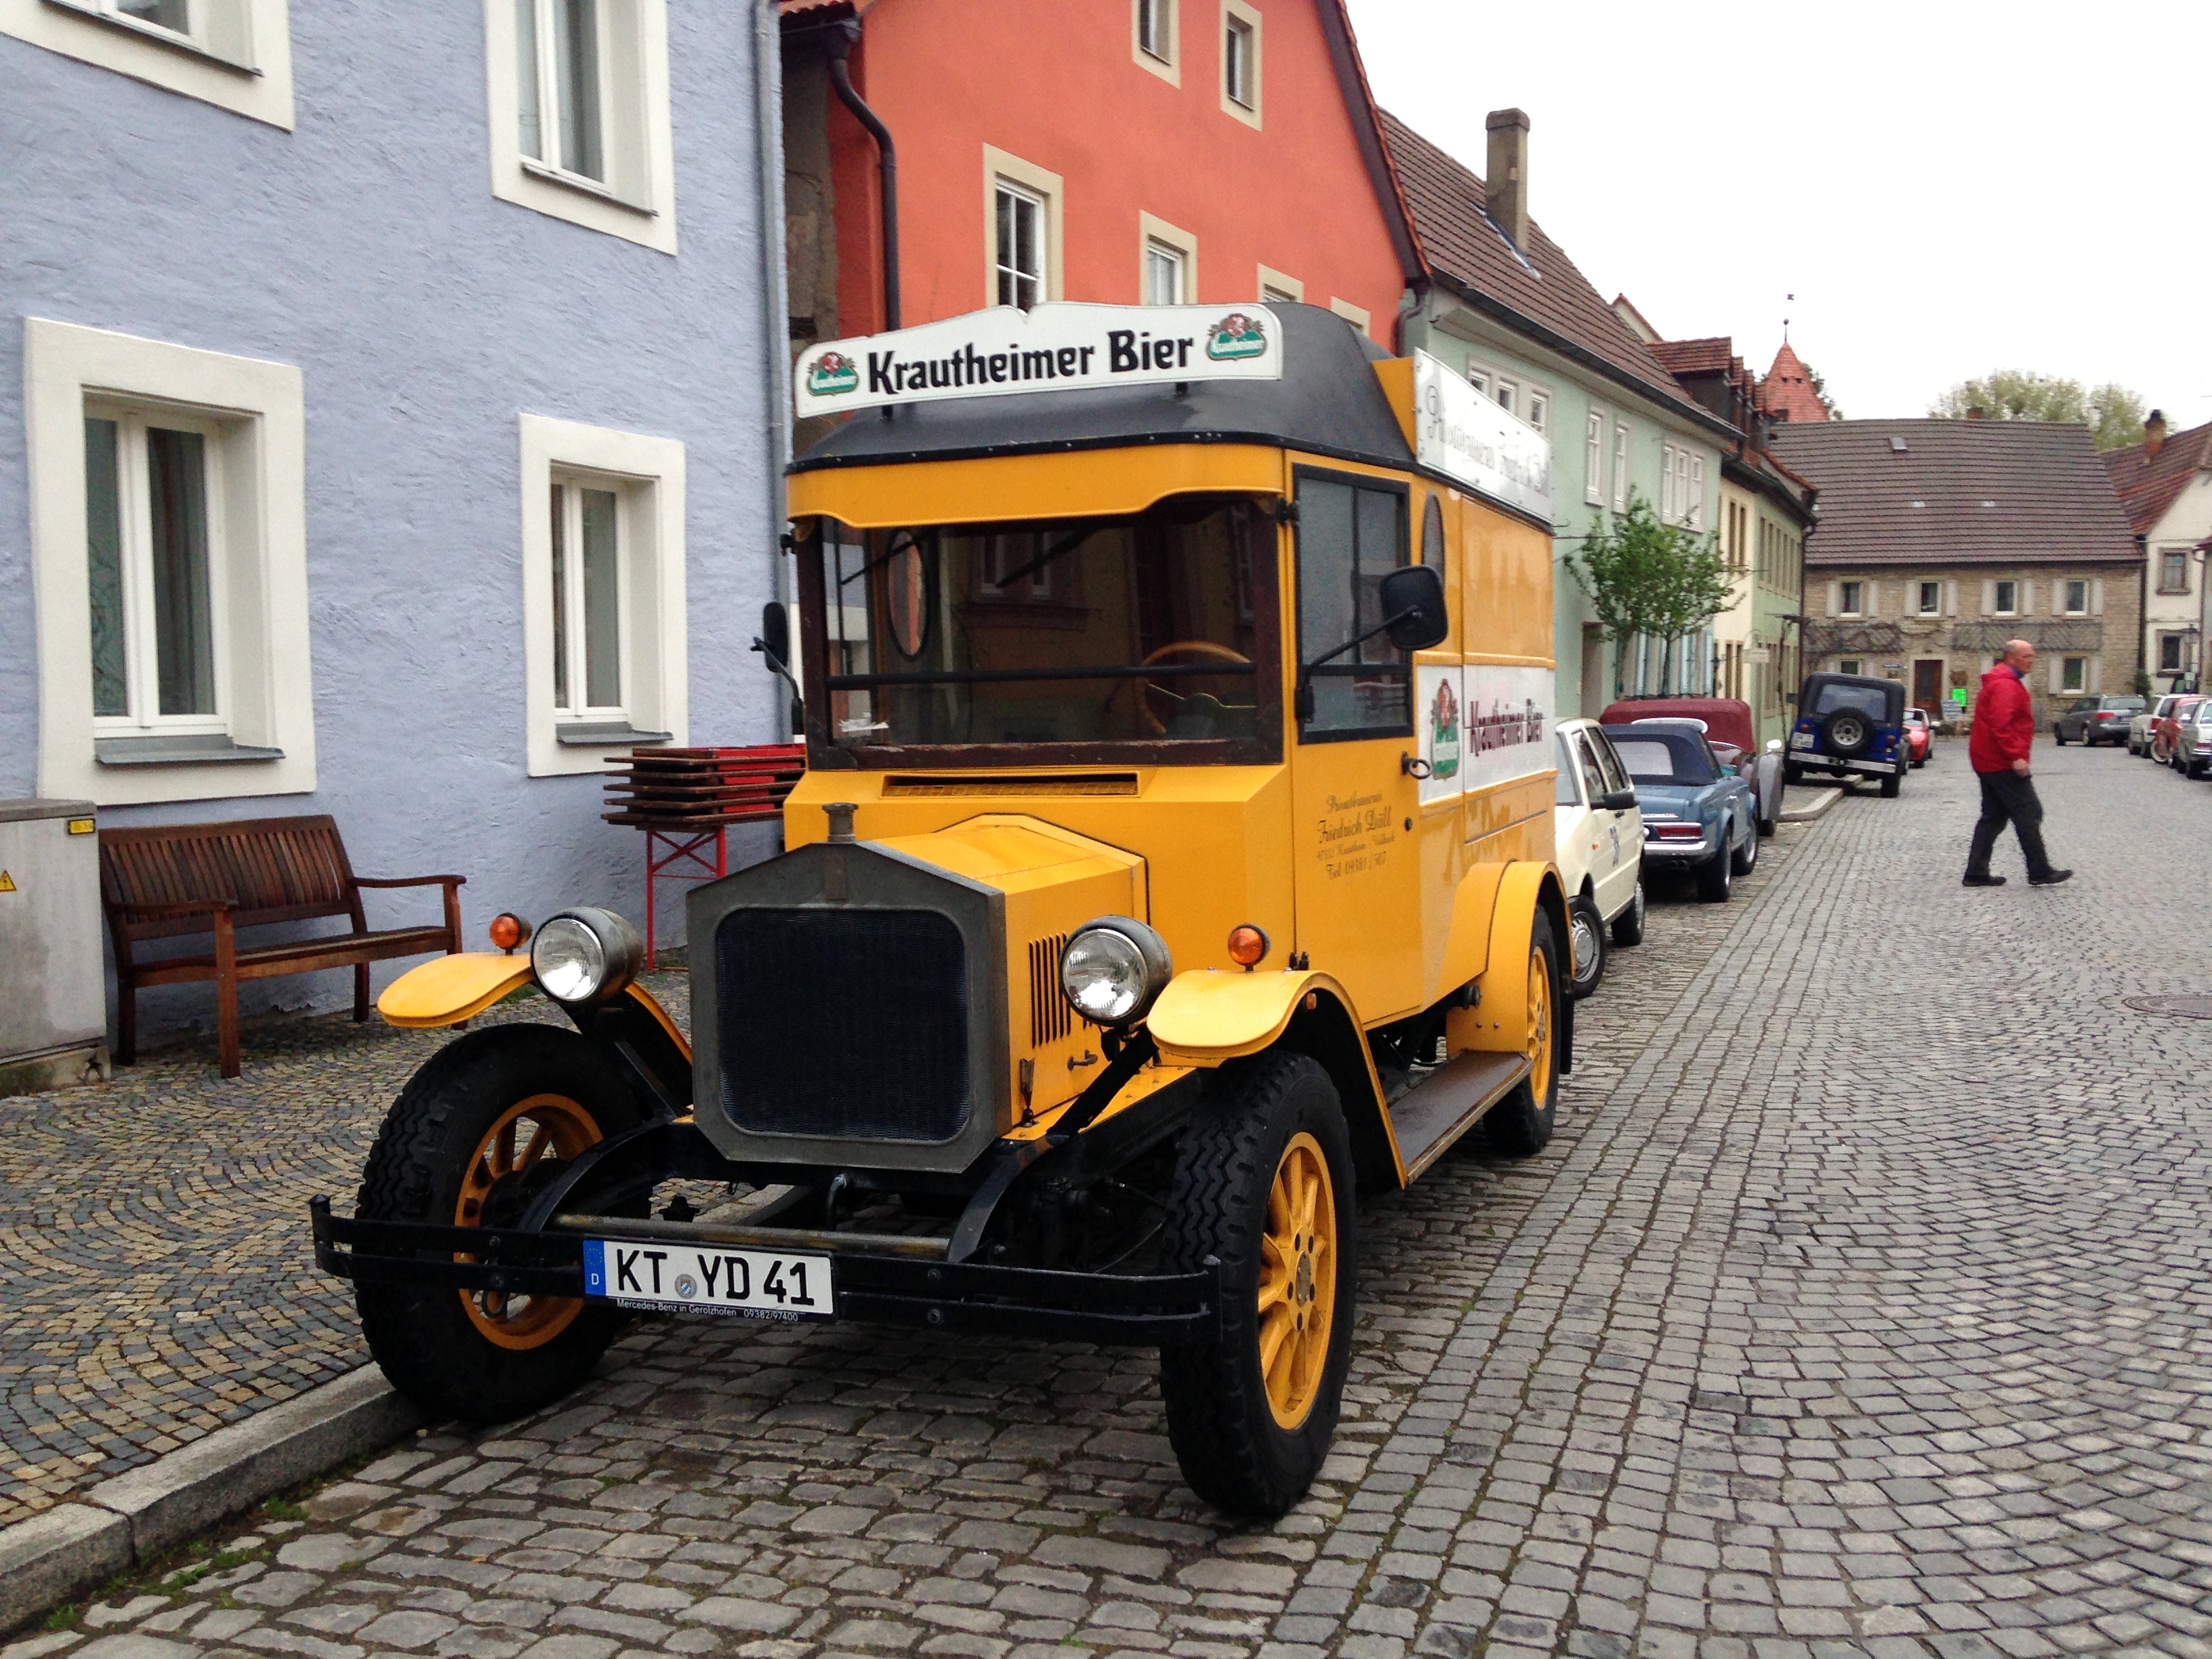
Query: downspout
[
  {"x": 776, "y": 300},
  {"x": 837, "y": 44}
]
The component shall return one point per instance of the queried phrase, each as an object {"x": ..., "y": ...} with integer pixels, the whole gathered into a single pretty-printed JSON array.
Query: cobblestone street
[{"x": 1859, "y": 1308}]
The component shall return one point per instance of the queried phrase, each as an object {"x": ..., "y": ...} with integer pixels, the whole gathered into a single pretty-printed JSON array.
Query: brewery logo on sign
[
  {"x": 1239, "y": 334},
  {"x": 833, "y": 372},
  {"x": 1443, "y": 732}
]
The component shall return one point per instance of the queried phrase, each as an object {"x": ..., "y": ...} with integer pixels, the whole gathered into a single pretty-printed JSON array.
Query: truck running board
[{"x": 1429, "y": 1117}]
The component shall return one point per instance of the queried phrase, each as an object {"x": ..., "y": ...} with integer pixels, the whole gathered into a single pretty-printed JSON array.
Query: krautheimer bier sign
[
  {"x": 1462, "y": 435},
  {"x": 1057, "y": 347}
]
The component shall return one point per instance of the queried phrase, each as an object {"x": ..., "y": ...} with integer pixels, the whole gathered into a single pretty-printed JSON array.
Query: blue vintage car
[{"x": 1697, "y": 812}]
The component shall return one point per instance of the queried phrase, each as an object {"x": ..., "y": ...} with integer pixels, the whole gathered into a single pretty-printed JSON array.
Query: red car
[
  {"x": 1919, "y": 735},
  {"x": 2167, "y": 731}
]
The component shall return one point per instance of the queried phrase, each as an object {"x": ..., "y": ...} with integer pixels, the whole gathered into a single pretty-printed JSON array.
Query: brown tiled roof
[
  {"x": 1960, "y": 492},
  {"x": 1710, "y": 357},
  {"x": 2147, "y": 488},
  {"x": 1787, "y": 392},
  {"x": 1464, "y": 247}
]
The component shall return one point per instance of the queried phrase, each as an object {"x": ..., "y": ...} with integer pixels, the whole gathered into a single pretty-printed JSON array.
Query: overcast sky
[{"x": 1946, "y": 188}]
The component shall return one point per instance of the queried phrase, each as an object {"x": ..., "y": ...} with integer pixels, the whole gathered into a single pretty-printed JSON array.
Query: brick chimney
[
  {"x": 1507, "y": 182},
  {"x": 2154, "y": 423}
]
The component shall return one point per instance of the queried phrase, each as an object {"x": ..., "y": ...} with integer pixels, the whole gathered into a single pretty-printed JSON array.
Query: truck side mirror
[
  {"x": 775, "y": 631},
  {"x": 1412, "y": 597}
]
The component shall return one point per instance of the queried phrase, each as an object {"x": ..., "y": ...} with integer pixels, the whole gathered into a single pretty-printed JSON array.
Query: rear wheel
[
  {"x": 1892, "y": 784},
  {"x": 1521, "y": 1125},
  {"x": 1748, "y": 854},
  {"x": 1793, "y": 774},
  {"x": 1586, "y": 932},
  {"x": 2058, "y": 733},
  {"x": 1628, "y": 925},
  {"x": 1716, "y": 877},
  {"x": 1263, "y": 1183},
  {"x": 475, "y": 1134}
]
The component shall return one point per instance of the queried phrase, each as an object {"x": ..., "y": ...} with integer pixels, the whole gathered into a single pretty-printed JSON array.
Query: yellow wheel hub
[
  {"x": 1297, "y": 1280},
  {"x": 525, "y": 1134},
  {"x": 1540, "y": 1028}
]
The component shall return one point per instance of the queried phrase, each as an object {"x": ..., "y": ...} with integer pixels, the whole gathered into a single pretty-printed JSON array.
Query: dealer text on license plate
[{"x": 667, "y": 1277}]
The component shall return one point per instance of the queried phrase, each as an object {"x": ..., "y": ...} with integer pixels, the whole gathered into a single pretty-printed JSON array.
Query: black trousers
[{"x": 2009, "y": 798}]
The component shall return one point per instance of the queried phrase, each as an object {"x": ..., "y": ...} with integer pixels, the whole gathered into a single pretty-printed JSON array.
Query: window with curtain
[
  {"x": 1351, "y": 535},
  {"x": 587, "y": 601},
  {"x": 558, "y": 88},
  {"x": 149, "y": 558}
]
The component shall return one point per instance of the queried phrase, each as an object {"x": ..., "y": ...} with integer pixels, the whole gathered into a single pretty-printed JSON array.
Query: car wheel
[
  {"x": 2059, "y": 732},
  {"x": 472, "y": 1137},
  {"x": 1892, "y": 784},
  {"x": 1586, "y": 935},
  {"x": 1716, "y": 877},
  {"x": 1793, "y": 774},
  {"x": 1521, "y": 1125},
  {"x": 1745, "y": 855},
  {"x": 1628, "y": 925},
  {"x": 1848, "y": 732},
  {"x": 1263, "y": 1184}
]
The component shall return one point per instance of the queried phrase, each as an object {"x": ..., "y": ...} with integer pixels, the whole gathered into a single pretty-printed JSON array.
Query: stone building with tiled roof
[
  {"x": 2165, "y": 487},
  {"x": 1937, "y": 541},
  {"x": 1503, "y": 305},
  {"x": 1787, "y": 393}
]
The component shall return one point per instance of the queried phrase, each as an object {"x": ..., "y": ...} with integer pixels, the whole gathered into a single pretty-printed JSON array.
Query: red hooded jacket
[{"x": 2004, "y": 721}]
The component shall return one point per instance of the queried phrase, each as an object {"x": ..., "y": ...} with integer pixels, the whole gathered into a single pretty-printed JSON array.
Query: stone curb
[
  {"x": 1822, "y": 800},
  {"x": 134, "y": 1515}
]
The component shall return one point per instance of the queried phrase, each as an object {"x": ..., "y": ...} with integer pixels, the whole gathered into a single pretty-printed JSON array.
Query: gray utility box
[{"x": 53, "y": 997}]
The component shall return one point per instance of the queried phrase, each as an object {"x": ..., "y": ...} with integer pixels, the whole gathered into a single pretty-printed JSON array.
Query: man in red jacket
[{"x": 2003, "y": 731}]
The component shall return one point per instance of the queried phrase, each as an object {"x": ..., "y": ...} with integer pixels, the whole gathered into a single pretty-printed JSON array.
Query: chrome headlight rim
[
  {"x": 585, "y": 954},
  {"x": 1151, "y": 959}
]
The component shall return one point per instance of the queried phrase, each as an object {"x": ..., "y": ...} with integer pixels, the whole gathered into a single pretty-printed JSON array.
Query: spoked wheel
[
  {"x": 1586, "y": 932},
  {"x": 475, "y": 1135},
  {"x": 1521, "y": 1125},
  {"x": 1262, "y": 1183}
]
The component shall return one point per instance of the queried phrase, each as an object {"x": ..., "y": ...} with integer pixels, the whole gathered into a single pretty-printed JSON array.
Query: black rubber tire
[
  {"x": 1521, "y": 1125},
  {"x": 420, "y": 1335},
  {"x": 1741, "y": 860},
  {"x": 1892, "y": 784},
  {"x": 1716, "y": 877},
  {"x": 1846, "y": 733},
  {"x": 1233, "y": 1452},
  {"x": 1793, "y": 774},
  {"x": 1584, "y": 922},
  {"x": 1628, "y": 925},
  {"x": 2059, "y": 734}
]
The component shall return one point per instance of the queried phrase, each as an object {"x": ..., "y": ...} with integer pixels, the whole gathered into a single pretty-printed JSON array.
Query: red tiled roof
[
  {"x": 1959, "y": 492},
  {"x": 1787, "y": 392},
  {"x": 1451, "y": 216},
  {"x": 2147, "y": 488},
  {"x": 1709, "y": 356}
]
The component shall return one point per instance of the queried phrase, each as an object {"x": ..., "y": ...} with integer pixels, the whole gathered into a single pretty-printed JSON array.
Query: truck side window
[{"x": 1351, "y": 535}]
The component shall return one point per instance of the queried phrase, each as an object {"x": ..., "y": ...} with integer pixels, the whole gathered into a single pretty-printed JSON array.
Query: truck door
[{"x": 1358, "y": 880}]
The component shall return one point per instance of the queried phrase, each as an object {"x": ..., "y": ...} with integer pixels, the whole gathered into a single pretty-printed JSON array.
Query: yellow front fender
[
  {"x": 449, "y": 989},
  {"x": 1206, "y": 1016},
  {"x": 1499, "y": 1023}
]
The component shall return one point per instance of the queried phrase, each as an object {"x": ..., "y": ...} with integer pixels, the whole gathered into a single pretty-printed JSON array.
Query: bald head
[{"x": 2020, "y": 654}]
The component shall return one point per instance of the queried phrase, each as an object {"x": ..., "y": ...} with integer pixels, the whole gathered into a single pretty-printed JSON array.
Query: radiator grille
[
  {"x": 851, "y": 1023},
  {"x": 1050, "y": 1018}
]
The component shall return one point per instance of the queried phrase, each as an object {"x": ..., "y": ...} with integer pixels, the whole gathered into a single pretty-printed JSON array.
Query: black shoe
[
  {"x": 1983, "y": 881},
  {"x": 2051, "y": 878}
]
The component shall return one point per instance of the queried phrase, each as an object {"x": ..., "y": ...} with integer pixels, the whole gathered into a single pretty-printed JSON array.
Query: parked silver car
[
  {"x": 2092, "y": 721},
  {"x": 2192, "y": 745}
]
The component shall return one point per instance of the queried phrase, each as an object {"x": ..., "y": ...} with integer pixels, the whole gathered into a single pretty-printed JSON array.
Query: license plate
[{"x": 670, "y": 1278}]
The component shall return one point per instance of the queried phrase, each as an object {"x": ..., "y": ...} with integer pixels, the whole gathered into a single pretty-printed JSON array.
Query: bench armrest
[
  {"x": 410, "y": 881},
  {"x": 182, "y": 908}
]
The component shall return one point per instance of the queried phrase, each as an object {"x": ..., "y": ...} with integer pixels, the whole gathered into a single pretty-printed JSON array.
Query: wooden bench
[{"x": 170, "y": 880}]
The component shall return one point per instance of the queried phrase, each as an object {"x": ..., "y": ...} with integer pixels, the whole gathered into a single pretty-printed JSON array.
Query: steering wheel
[{"x": 1206, "y": 648}]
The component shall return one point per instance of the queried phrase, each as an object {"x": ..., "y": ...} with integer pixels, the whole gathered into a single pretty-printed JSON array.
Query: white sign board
[
  {"x": 1482, "y": 724},
  {"x": 1462, "y": 435},
  {"x": 1059, "y": 347}
]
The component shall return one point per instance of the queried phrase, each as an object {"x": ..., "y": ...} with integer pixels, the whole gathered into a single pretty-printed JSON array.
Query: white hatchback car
[{"x": 1599, "y": 836}]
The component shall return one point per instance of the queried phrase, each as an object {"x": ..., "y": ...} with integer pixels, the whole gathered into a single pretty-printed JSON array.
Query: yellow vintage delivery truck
[{"x": 1173, "y": 860}]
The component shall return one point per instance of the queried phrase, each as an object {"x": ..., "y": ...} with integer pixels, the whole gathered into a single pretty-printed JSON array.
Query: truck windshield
[{"x": 1146, "y": 629}]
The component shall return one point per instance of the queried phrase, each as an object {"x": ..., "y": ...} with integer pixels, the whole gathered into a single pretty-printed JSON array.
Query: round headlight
[
  {"x": 1112, "y": 969},
  {"x": 583, "y": 955}
]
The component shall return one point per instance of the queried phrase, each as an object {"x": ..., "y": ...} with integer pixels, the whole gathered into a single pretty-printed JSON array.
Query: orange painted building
[{"x": 1180, "y": 151}]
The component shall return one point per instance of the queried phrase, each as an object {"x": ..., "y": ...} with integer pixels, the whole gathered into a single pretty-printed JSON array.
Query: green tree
[
  {"x": 1648, "y": 578},
  {"x": 1820, "y": 391},
  {"x": 2114, "y": 413}
]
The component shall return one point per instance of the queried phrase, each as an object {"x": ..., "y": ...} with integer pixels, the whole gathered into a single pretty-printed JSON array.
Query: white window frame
[
  {"x": 2171, "y": 645},
  {"x": 1480, "y": 378},
  {"x": 1921, "y": 607},
  {"x": 1539, "y": 415},
  {"x": 647, "y": 473},
  {"x": 1621, "y": 474},
  {"x": 2076, "y": 685},
  {"x": 1849, "y": 604},
  {"x": 1671, "y": 484},
  {"x": 2066, "y": 587},
  {"x": 1003, "y": 166},
  {"x": 1006, "y": 265},
  {"x": 1357, "y": 316},
  {"x": 237, "y": 57},
  {"x": 1997, "y": 606},
  {"x": 1694, "y": 482},
  {"x": 1245, "y": 18},
  {"x": 1154, "y": 232},
  {"x": 2158, "y": 582},
  {"x": 637, "y": 200},
  {"x": 1279, "y": 288},
  {"x": 1850, "y": 665},
  {"x": 1594, "y": 457},
  {"x": 257, "y": 562},
  {"x": 1164, "y": 58}
]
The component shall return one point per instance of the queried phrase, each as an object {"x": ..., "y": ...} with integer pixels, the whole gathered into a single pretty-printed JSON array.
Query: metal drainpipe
[{"x": 838, "y": 43}]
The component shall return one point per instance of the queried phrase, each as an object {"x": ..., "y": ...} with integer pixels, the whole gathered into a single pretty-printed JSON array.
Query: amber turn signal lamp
[
  {"x": 509, "y": 930},
  {"x": 1246, "y": 945}
]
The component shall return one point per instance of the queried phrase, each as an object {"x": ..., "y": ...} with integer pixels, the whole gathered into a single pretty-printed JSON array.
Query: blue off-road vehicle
[{"x": 1850, "y": 726}]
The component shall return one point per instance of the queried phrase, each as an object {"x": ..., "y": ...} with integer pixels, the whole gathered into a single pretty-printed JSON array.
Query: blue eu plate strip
[{"x": 595, "y": 1268}]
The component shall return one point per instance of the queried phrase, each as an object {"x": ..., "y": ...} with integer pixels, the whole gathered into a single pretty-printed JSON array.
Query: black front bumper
[{"x": 878, "y": 1281}]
